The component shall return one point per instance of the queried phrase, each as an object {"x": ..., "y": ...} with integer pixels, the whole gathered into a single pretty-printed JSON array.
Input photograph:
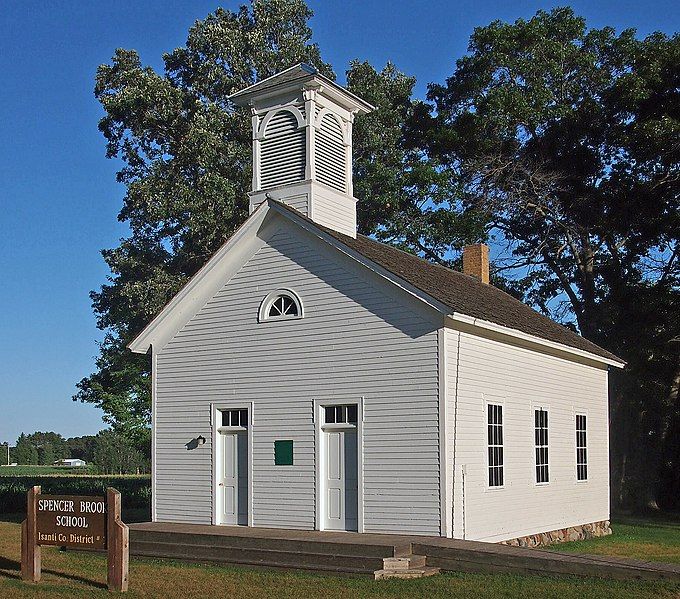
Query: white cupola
[{"x": 302, "y": 144}]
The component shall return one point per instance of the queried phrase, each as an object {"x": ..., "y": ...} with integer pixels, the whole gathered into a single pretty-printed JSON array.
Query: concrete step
[
  {"x": 268, "y": 557},
  {"x": 409, "y": 573},
  {"x": 408, "y": 566},
  {"x": 404, "y": 563}
]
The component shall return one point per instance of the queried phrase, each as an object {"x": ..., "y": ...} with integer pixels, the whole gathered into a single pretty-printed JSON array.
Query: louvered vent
[
  {"x": 330, "y": 154},
  {"x": 282, "y": 151}
]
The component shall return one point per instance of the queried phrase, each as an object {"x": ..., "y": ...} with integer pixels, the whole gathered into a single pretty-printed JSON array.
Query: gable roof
[
  {"x": 294, "y": 77},
  {"x": 448, "y": 289},
  {"x": 298, "y": 71},
  {"x": 462, "y": 293}
]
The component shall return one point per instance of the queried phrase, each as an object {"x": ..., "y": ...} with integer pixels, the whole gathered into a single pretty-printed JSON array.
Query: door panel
[
  {"x": 341, "y": 480},
  {"x": 351, "y": 480},
  {"x": 233, "y": 482}
]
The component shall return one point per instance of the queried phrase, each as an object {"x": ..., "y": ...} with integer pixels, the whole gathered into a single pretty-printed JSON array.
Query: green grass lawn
[
  {"x": 654, "y": 539},
  {"x": 73, "y": 574}
]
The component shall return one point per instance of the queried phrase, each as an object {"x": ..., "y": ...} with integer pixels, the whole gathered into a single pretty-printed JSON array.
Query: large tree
[
  {"x": 186, "y": 169},
  {"x": 186, "y": 152},
  {"x": 568, "y": 139}
]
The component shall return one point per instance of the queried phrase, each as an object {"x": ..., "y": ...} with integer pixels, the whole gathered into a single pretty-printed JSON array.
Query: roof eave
[
  {"x": 147, "y": 338},
  {"x": 540, "y": 341}
]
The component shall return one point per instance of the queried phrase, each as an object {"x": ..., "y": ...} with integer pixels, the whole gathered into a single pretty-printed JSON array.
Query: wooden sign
[
  {"x": 75, "y": 521},
  {"x": 71, "y": 521}
]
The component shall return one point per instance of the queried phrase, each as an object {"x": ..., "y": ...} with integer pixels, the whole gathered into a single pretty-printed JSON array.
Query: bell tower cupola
[{"x": 302, "y": 144}]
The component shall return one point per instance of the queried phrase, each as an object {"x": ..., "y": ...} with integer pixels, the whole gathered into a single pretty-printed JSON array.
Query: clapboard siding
[
  {"x": 359, "y": 338},
  {"x": 482, "y": 370},
  {"x": 335, "y": 210},
  {"x": 298, "y": 201}
]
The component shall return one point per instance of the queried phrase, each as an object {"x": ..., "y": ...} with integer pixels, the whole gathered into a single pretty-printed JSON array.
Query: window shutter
[{"x": 330, "y": 153}]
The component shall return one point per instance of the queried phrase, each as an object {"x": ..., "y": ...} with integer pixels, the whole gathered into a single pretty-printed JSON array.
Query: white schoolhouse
[{"x": 308, "y": 377}]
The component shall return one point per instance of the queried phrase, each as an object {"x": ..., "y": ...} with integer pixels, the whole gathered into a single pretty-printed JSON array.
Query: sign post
[
  {"x": 119, "y": 544},
  {"x": 30, "y": 549},
  {"x": 82, "y": 522}
]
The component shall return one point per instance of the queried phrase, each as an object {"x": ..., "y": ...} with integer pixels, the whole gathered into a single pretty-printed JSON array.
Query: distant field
[
  {"x": 135, "y": 489},
  {"x": 42, "y": 470}
]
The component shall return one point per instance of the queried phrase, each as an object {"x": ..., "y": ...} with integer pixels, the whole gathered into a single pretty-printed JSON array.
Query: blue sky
[{"x": 58, "y": 195}]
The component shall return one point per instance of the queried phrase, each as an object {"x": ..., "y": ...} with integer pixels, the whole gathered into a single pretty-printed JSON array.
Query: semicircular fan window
[{"x": 283, "y": 305}]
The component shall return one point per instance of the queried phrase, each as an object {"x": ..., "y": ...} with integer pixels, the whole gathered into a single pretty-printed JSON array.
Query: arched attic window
[{"x": 282, "y": 304}]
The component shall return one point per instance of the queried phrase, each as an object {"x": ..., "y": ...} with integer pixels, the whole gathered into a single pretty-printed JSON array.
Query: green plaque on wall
[{"x": 283, "y": 453}]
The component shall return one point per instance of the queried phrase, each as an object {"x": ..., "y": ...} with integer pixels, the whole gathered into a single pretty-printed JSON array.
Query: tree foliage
[
  {"x": 187, "y": 164},
  {"x": 187, "y": 170},
  {"x": 568, "y": 138},
  {"x": 25, "y": 452},
  {"x": 82, "y": 448},
  {"x": 114, "y": 454},
  {"x": 40, "y": 448}
]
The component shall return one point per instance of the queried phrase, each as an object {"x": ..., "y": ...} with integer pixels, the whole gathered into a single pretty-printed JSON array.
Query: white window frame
[
  {"x": 231, "y": 428},
  {"x": 500, "y": 404},
  {"x": 535, "y": 446},
  {"x": 576, "y": 431},
  {"x": 265, "y": 305}
]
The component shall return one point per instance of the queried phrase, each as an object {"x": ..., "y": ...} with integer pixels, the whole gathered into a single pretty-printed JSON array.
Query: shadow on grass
[{"x": 10, "y": 568}]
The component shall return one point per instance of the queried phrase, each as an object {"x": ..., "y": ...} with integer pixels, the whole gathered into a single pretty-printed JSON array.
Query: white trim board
[{"x": 503, "y": 334}]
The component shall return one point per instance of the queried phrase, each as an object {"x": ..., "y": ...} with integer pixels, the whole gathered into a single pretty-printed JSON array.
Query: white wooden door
[
  {"x": 233, "y": 479},
  {"x": 340, "y": 479}
]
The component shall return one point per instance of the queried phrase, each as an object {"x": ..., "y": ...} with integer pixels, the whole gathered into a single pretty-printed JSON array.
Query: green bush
[{"x": 135, "y": 490}]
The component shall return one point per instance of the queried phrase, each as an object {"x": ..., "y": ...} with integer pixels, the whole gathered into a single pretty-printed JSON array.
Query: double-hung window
[
  {"x": 541, "y": 445},
  {"x": 495, "y": 444},
  {"x": 581, "y": 448}
]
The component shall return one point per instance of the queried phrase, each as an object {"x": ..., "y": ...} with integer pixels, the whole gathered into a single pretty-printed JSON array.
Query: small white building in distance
[
  {"x": 70, "y": 462},
  {"x": 308, "y": 377}
]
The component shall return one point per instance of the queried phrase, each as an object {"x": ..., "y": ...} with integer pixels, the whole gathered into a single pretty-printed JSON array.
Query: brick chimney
[{"x": 476, "y": 261}]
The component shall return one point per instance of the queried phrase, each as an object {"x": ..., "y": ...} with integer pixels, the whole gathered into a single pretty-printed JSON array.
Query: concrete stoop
[{"x": 410, "y": 566}]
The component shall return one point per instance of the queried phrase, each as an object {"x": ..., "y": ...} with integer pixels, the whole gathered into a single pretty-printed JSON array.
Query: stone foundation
[{"x": 563, "y": 535}]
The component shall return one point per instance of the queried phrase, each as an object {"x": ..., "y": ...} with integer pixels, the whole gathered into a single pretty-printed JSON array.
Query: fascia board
[
  {"x": 485, "y": 325},
  {"x": 203, "y": 285}
]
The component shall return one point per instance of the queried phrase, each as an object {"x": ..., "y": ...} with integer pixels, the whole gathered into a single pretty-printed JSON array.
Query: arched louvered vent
[
  {"x": 330, "y": 153},
  {"x": 282, "y": 151}
]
